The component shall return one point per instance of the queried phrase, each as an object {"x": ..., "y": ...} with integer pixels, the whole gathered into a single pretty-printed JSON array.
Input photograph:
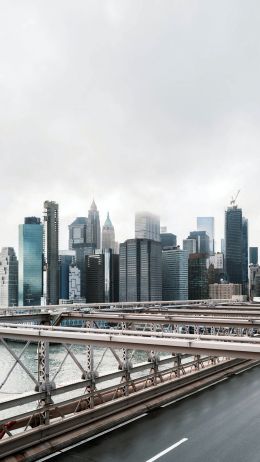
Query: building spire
[{"x": 93, "y": 206}]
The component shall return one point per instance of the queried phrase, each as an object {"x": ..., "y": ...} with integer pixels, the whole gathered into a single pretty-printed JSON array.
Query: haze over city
[{"x": 142, "y": 105}]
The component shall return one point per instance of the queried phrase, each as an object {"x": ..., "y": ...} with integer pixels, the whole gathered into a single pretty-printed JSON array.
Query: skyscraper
[
  {"x": 102, "y": 277},
  {"x": 66, "y": 259},
  {"x": 234, "y": 245},
  {"x": 253, "y": 255},
  {"x": 202, "y": 241},
  {"x": 51, "y": 247},
  {"x": 78, "y": 231},
  {"x": 168, "y": 240},
  {"x": 175, "y": 274},
  {"x": 198, "y": 277},
  {"x": 140, "y": 270},
  {"x": 208, "y": 224},
  {"x": 190, "y": 245},
  {"x": 147, "y": 226},
  {"x": 8, "y": 277},
  {"x": 30, "y": 262},
  {"x": 93, "y": 228},
  {"x": 245, "y": 255},
  {"x": 108, "y": 235}
]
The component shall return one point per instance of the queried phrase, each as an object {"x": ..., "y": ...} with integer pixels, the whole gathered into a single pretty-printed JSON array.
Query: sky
[{"x": 141, "y": 104}]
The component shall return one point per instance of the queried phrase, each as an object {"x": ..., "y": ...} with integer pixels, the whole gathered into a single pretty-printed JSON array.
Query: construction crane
[{"x": 233, "y": 200}]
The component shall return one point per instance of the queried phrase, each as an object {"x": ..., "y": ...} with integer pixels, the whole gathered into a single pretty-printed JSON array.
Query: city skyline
[
  {"x": 130, "y": 231},
  {"x": 109, "y": 107}
]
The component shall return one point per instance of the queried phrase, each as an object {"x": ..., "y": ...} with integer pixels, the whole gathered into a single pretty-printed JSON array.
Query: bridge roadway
[{"x": 220, "y": 424}]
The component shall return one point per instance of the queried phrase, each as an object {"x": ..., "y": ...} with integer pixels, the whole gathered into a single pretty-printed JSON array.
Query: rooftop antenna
[{"x": 233, "y": 200}]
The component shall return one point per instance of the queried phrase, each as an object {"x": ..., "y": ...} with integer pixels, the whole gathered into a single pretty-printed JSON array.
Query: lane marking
[
  {"x": 175, "y": 445},
  {"x": 194, "y": 392},
  {"x": 61, "y": 451}
]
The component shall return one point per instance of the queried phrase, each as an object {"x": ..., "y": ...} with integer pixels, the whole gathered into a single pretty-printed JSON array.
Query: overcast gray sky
[{"x": 151, "y": 104}]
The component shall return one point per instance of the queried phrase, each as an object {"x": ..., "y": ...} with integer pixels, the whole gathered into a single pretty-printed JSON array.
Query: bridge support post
[{"x": 45, "y": 385}]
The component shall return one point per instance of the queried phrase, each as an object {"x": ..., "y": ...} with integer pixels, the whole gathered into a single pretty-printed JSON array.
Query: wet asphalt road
[{"x": 221, "y": 424}]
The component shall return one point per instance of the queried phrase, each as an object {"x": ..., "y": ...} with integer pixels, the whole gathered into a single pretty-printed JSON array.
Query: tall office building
[
  {"x": 198, "y": 277},
  {"x": 234, "y": 245},
  {"x": 82, "y": 251},
  {"x": 222, "y": 246},
  {"x": 78, "y": 231},
  {"x": 208, "y": 224},
  {"x": 8, "y": 277},
  {"x": 74, "y": 282},
  {"x": 147, "y": 226},
  {"x": 245, "y": 255},
  {"x": 93, "y": 229},
  {"x": 108, "y": 235},
  {"x": 254, "y": 278},
  {"x": 175, "y": 274},
  {"x": 140, "y": 270},
  {"x": 30, "y": 286},
  {"x": 66, "y": 259},
  {"x": 190, "y": 245},
  {"x": 102, "y": 277},
  {"x": 202, "y": 241},
  {"x": 168, "y": 240},
  {"x": 51, "y": 252},
  {"x": 253, "y": 255}
]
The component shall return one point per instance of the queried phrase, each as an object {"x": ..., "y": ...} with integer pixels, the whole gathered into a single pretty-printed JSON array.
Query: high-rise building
[
  {"x": 222, "y": 246},
  {"x": 234, "y": 245},
  {"x": 93, "y": 228},
  {"x": 8, "y": 277},
  {"x": 202, "y": 241},
  {"x": 253, "y": 255},
  {"x": 190, "y": 245},
  {"x": 108, "y": 235},
  {"x": 245, "y": 255},
  {"x": 208, "y": 224},
  {"x": 103, "y": 277},
  {"x": 175, "y": 274},
  {"x": 74, "y": 282},
  {"x": 30, "y": 287},
  {"x": 168, "y": 240},
  {"x": 66, "y": 259},
  {"x": 198, "y": 277},
  {"x": 78, "y": 231},
  {"x": 254, "y": 278},
  {"x": 147, "y": 226},
  {"x": 140, "y": 270},
  {"x": 51, "y": 252},
  {"x": 82, "y": 251}
]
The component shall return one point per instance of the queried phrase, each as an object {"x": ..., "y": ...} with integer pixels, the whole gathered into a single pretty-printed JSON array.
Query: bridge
[{"x": 156, "y": 355}]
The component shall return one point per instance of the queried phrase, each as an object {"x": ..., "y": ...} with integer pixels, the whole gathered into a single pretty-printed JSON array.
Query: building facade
[
  {"x": 208, "y": 224},
  {"x": 78, "y": 231},
  {"x": 108, "y": 235},
  {"x": 175, "y": 274},
  {"x": 198, "y": 277},
  {"x": 51, "y": 252},
  {"x": 168, "y": 240},
  {"x": 8, "y": 277},
  {"x": 253, "y": 255},
  {"x": 30, "y": 285},
  {"x": 103, "y": 277},
  {"x": 140, "y": 270},
  {"x": 147, "y": 226},
  {"x": 74, "y": 283},
  {"x": 189, "y": 245},
  {"x": 93, "y": 229},
  {"x": 224, "y": 291},
  {"x": 66, "y": 259},
  {"x": 202, "y": 241}
]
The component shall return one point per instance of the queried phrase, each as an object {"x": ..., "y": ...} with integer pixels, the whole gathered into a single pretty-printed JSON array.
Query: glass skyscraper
[
  {"x": 234, "y": 245},
  {"x": 175, "y": 274},
  {"x": 30, "y": 285},
  {"x": 208, "y": 224},
  {"x": 147, "y": 226}
]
